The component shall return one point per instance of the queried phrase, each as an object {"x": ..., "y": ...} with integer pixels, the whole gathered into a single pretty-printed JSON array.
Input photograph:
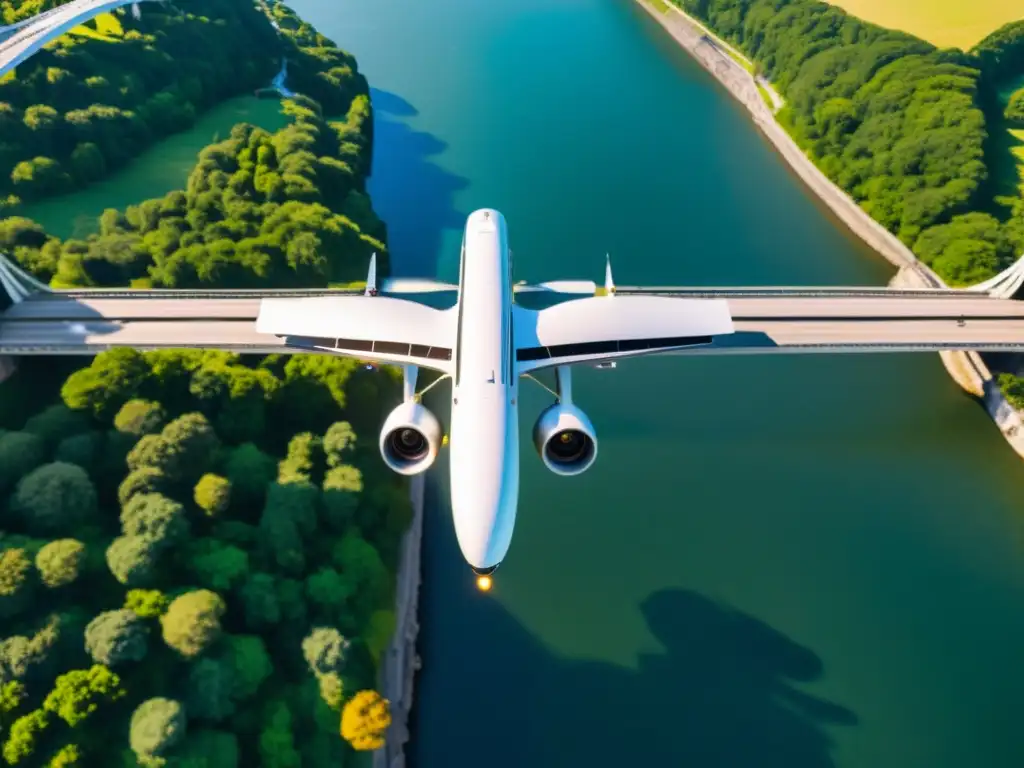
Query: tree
[
  {"x": 250, "y": 664},
  {"x": 133, "y": 560},
  {"x": 111, "y": 380},
  {"x": 25, "y": 731},
  {"x": 1015, "y": 108},
  {"x": 260, "y": 601},
  {"x": 324, "y": 650},
  {"x": 216, "y": 565},
  {"x": 156, "y": 518},
  {"x": 157, "y": 725},
  {"x": 84, "y": 450},
  {"x": 193, "y": 444},
  {"x": 141, "y": 481},
  {"x": 79, "y": 693},
  {"x": 339, "y": 443},
  {"x": 303, "y": 460},
  {"x": 192, "y": 622},
  {"x": 213, "y": 494},
  {"x": 210, "y": 690},
  {"x": 54, "y": 498},
  {"x": 249, "y": 471},
  {"x": 15, "y": 581},
  {"x": 343, "y": 487},
  {"x": 207, "y": 749},
  {"x": 116, "y": 637},
  {"x": 56, "y": 422},
  {"x": 365, "y": 720},
  {"x": 60, "y": 562},
  {"x": 277, "y": 741},
  {"x": 146, "y": 603},
  {"x": 20, "y": 453},
  {"x": 153, "y": 452}
]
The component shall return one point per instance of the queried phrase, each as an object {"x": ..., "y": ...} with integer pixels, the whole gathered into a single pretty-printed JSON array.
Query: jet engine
[
  {"x": 565, "y": 439},
  {"x": 410, "y": 439}
]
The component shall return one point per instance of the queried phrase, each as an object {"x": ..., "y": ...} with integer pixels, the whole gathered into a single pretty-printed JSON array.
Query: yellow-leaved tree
[{"x": 365, "y": 719}]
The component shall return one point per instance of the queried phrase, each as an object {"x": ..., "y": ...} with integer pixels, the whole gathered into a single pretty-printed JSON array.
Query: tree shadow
[
  {"x": 722, "y": 694},
  {"x": 409, "y": 190}
]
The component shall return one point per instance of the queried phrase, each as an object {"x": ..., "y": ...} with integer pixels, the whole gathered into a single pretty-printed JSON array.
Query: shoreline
[
  {"x": 967, "y": 369},
  {"x": 399, "y": 669}
]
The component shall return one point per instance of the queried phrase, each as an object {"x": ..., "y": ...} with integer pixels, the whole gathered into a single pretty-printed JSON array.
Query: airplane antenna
[
  {"x": 371, "y": 277},
  {"x": 609, "y": 283}
]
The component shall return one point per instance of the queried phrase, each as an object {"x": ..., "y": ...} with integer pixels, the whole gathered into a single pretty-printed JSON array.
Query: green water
[
  {"x": 797, "y": 562},
  {"x": 161, "y": 169}
]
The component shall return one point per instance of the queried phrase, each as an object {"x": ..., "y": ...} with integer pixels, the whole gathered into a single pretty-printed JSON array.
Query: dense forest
[
  {"x": 197, "y": 550},
  {"x": 89, "y": 103},
  {"x": 898, "y": 124}
]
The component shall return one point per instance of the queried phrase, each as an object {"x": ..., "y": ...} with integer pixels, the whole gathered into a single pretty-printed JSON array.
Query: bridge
[
  {"x": 41, "y": 321},
  {"x": 21, "y": 40}
]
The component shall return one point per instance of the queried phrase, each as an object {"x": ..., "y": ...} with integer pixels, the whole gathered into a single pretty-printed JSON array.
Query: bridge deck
[{"x": 85, "y": 324}]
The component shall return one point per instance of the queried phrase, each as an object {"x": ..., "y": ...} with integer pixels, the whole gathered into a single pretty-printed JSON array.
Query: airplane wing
[
  {"x": 612, "y": 327},
  {"x": 375, "y": 328}
]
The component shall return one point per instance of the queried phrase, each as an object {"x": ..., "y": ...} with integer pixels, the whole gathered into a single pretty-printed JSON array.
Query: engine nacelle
[
  {"x": 410, "y": 439},
  {"x": 565, "y": 439}
]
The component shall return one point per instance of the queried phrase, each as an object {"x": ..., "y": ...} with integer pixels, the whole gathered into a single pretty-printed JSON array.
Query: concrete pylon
[
  {"x": 1004, "y": 285},
  {"x": 16, "y": 283}
]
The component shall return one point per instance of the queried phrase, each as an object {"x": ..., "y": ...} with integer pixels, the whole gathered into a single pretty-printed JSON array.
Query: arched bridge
[{"x": 20, "y": 41}]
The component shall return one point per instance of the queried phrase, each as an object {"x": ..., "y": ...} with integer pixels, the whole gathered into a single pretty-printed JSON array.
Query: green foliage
[
  {"x": 55, "y": 423},
  {"x": 146, "y": 603},
  {"x": 215, "y": 565},
  {"x": 24, "y": 734},
  {"x": 250, "y": 663},
  {"x": 192, "y": 622},
  {"x": 343, "y": 487},
  {"x": 207, "y": 749},
  {"x": 144, "y": 480},
  {"x": 20, "y": 453},
  {"x": 157, "y": 725},
  {"x": 15, "y": 581},
  {"x": 55, "y": 498},
  {"x": 213, "y": 494},
  {"x": 1015, "y": 108},
  {"x": 109, "y": 382},
  {"x": 79, "y": 693},
  {"x": 210, "y": 688},
  {"x": 133, "y": 560},
  {"x": 325, "y": 650},
  {"x": 156, "y": 518},
  {"x": 304, "y": 460},
  {"x": 339, "y": 443},
  {"x": 249, "y": 470},
  {"x": 276, "y": 742},
  {"x": 116, "y": 637},
  {"x": 85, "y": 450},
  {"x": 260, "y": 601},
  {"x": 140, "y": 417},
  {"x": 60, "y": 562},
  {"x": 890, "y": 119},
  {"x": 66, "y": 757}
]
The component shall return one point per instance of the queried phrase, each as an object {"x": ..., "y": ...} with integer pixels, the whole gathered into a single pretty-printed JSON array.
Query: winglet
[
  {"x": 609, "y": 283},
  {"x": 371, "y": 277}
]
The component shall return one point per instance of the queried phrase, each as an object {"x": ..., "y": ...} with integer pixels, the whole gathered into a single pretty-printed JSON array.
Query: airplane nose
[{"x": 485, "y": 571}]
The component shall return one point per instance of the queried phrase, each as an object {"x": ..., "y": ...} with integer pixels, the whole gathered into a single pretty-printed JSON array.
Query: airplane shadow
[
  {"x": 724, "y": 692},
  {"x": 409, "y": 190}
]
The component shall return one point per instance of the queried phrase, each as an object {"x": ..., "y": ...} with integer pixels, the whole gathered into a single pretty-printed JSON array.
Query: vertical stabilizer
[
  {"x": 609, "y": 283},
  {"x": 371, "y": 277}
]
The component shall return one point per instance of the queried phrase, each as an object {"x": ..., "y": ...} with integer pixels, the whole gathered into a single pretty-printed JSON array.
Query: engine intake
[
  {"x": 565, "y": 439},
  {"x": 410, "y": 439}
]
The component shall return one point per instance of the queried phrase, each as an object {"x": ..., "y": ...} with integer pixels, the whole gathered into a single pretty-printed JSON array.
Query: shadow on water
[
  {"x": 409, "y": 190},
  {"x": 723, "y": 692}
]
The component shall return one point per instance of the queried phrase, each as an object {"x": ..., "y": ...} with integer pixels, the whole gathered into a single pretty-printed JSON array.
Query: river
[{"x": 781, "y": 562}]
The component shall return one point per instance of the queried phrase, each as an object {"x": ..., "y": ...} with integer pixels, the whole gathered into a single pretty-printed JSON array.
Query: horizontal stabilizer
[
  {"x": 585, "y": 287},
  {"x": 414, "y": 285}
]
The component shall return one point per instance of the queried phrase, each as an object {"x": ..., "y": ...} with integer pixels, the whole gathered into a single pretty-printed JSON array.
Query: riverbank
[
  {"x": 402, "y": 662},
  {"x": 967, "y": 369}
]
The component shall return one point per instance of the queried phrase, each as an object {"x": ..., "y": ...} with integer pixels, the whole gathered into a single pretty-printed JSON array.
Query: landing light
[{"x": 483, "y": 583}]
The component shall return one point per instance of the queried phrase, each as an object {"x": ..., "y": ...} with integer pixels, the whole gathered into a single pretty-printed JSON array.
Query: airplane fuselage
[{"x": 484, "y": 442}]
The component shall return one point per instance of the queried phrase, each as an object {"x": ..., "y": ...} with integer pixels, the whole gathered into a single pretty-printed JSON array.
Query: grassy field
[
  {"x": 108, "y": 29},
  {"x": 946, "y": 23}
]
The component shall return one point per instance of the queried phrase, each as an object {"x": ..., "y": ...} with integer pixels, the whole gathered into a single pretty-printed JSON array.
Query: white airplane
[{"x": 485, "y": 343}]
